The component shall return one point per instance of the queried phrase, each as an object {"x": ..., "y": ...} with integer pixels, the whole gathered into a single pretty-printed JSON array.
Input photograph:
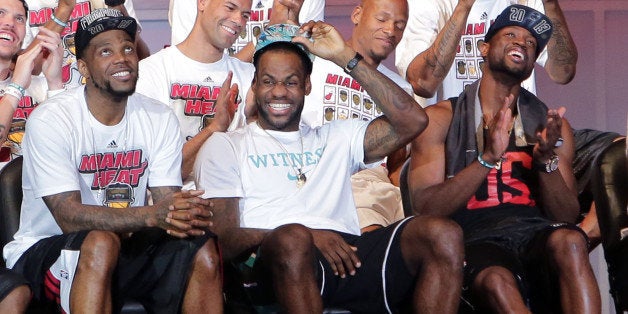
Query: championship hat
[
  {"x": 101, "y": 20},
  {"x": 280, "y": 32},
  {"x": 534, "y": 21}
]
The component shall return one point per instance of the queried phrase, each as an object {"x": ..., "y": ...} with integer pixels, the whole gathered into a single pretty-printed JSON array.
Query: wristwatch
[
  {"x": 550, "y": 165},
  {"x": 353, "y": 63}
]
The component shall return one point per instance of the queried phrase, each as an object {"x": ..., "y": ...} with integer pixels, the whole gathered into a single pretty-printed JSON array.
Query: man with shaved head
[{"x": 378, "y": 27}]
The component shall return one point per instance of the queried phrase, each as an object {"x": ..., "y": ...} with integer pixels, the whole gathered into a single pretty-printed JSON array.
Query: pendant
[{"x": 300, "y": 179}]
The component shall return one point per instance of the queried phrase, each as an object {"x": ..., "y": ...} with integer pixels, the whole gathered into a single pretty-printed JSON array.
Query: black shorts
[
  {"x": 152, "y": 268},
  {"x": 380, "y": 285},
  {"x": 528, "y": 264},
  {"x": 9, "y": 280}
]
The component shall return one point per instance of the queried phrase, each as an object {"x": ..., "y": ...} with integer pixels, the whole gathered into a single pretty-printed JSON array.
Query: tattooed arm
[
  {"x": 428, "y": 69},
  {"x": 173, "y": 211},
  {"x": 233, "y": 239},
  {"x": 404, "y": 118},
  {"x": 561, "y": 49}
]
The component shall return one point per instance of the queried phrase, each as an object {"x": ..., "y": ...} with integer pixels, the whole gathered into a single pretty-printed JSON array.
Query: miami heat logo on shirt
[{"x": 115, "y": 172}]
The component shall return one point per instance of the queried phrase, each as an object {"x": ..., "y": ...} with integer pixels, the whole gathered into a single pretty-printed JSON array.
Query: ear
[
  {"x": 202, "y": 4},
  {"x": 484, "y": 47},
  {"x": 308, "y": 85},
  {"x": 356, "y": 15},
  {"x": 82, "y": 67}
]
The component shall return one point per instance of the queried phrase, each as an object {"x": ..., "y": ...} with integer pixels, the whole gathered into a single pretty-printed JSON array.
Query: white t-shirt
[
  {"x": 248, "y": 164},
  {"x": 35, "y": 94},
  {"x": 67, "y": 149},
  {"x": 428, "y": 17},
  {"x": 336, "y": 95},
  {"x": 182, "y": 15},
  {"x": 190, "y": 87},
  {"x": 39, "y": 12}
]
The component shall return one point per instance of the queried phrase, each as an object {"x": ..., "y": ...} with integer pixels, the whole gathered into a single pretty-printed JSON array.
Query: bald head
[{"x": 378, "y": 27}]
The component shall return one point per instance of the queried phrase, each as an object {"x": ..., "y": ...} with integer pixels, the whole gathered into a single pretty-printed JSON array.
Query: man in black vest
[{"x": 499, "y": 162}]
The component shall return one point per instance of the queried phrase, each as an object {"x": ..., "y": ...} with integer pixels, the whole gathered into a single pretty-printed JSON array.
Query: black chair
[
  {"x": 610, "y": 193},
  {"x": 10, "y": 206}
]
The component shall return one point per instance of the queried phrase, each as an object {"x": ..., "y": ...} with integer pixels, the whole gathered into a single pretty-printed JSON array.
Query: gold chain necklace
[{"x": 301, "y": 178}]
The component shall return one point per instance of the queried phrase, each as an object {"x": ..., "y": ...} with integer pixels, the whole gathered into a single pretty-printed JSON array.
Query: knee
[
  {"x": 288, "y": 241},
  {"x": 443, "y": 237},
  {"x": 208, "y": 259},
  {"x": 100, "y": 249},
  {"x": 567, "y": 242},
  {"x": 494, "y": 280}
]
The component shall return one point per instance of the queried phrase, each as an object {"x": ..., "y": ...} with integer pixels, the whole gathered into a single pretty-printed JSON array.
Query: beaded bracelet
[
  {"x": 10, "y": 90},
  {"x": 58, "y": 21},
  {"x": 18, "y": 87},
  {"x": 484, "y": 163}
]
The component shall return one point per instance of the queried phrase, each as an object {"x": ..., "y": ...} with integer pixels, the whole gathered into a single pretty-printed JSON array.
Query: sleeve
[
  {"x": 216, "y": 168},
  {"x": 357, "y": 129},
  {"x": 128, "y": 5},
  {"x": 181, "y": 15},
  {"x": 28, "y": 36},
  {"x": 47, "y": 152},
  {"x": 152, "y": 81},
  {"x": 312, "y": 10},
  {"x": 165, "y": 168},
  {"x": 425, "y": 19}
]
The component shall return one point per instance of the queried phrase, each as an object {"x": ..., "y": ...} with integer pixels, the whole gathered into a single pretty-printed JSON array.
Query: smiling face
[
  {"x": 12, "y": 28},
  {"x": 110, "y": 63},
  {"x": 223, "y": 20},
  {"x": 280, "y": 85},
  {"x": 511, "y": 51},
  {"x": 379, "y": 25}
]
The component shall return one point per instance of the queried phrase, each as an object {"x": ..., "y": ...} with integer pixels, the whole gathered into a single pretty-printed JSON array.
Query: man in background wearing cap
[
  {"x": 282, "y": 195},
  {"x": 432, "y": 43},
  {"x": 515, "y": 195},
  {"x": 86, "y": 241},
  {"x": 378, "y": 27}
]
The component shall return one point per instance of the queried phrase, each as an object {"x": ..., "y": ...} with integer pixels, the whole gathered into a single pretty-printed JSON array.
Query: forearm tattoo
[{"x": 562, "y": 52}]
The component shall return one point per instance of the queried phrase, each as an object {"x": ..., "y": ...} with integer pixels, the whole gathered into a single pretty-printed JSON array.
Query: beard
[
  {"x": 519, "y": 74},
  {"x": 106, "y": 87},
  {"x": 293, "y": 118}
]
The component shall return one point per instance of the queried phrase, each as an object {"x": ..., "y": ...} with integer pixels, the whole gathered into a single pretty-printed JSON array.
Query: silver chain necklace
[{"x": 301, "y": 178}]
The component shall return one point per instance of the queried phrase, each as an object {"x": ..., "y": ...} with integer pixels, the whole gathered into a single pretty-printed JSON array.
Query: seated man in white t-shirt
[
  {"x": 86, "y": 240},
  {"x": 283, "y": 205}
]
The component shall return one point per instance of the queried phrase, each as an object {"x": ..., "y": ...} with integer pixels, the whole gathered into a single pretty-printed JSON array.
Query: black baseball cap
[
  {"x": 534, "y": 21},
  {"x": 101, "y": 20}
]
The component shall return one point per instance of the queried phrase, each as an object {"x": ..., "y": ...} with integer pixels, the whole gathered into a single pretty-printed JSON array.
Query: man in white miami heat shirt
[
  {"x": 183, "y": 12},
  {"x": 63, "y": 16},
  {"x": 335, "y": 95},
  {"x": 189, "y": 76},
  {"x": 90, "y": 155}
]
